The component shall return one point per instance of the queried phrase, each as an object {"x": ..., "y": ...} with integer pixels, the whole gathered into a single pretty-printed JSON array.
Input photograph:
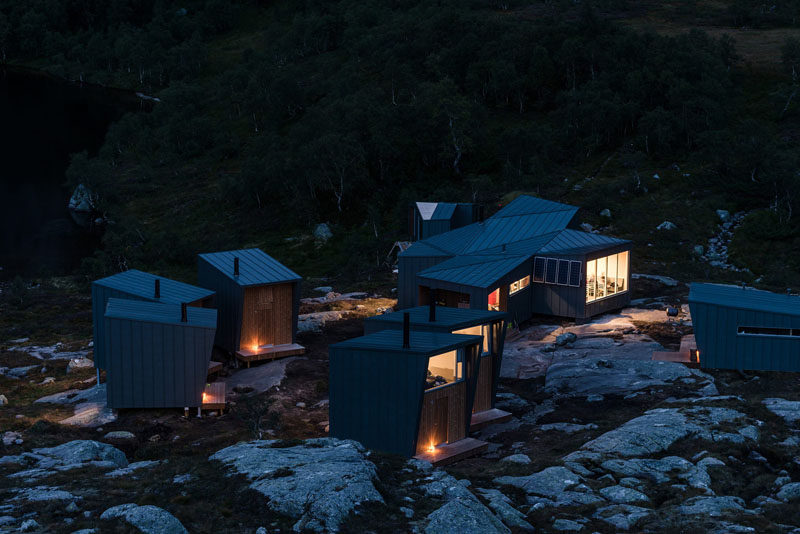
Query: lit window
[
  {"x": 519, "y": 285},
  {"x": 444, "y": 369},
  {"x": 606, "y": 276}
]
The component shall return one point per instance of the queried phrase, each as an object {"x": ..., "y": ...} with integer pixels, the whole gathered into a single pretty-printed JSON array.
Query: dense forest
[{"x": 275, "y": 116}]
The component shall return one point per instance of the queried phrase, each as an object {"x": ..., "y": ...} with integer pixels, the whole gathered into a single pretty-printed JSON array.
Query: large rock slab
[
  {"x": 613, "y": 376},
  {"x": 501, "y": 505},
  {"x": 711, "y": 506},
  {"x": 44, "y": 494},
  {"x": 458, "y": 516},
  {"x": 789, "y": 410},
  {"x": 319, "y": 482},
  {"x": 622, "y": 516},
  {"x": 91, "y": 409},
  {"x": 260, "y": 377},
  {"x": 553, "y": 486},
  {"x": 70, "y": 455},
  {"x": 659, "y": 428},
  {"x": 148, "y": 519}
]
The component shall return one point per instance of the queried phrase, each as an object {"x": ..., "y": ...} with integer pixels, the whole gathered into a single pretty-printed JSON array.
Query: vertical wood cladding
[
  {"x": 442, "y": 418},
  {"x": 267, "y": 315},
  {"x": 483, "y": 392}
]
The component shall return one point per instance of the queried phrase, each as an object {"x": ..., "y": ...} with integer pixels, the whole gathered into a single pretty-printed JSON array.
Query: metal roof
[
  {"x": 427, "y": 343},
  {"x": 744, "y": 299},
  {"x": 426, "y": 209},
  {"x": 451, "y": 318},
  {"x": 474, "y": 270},
  {"x": 444, "y": 211},
  {"x": 256, "y": 267},
  {"x": 421, "y": 248},
  {"x": 142, "y": 284},
  {"x": 526, "y": 205},
  {"x": 575, "y": 241},
  {"x": 157, "y": 312}
]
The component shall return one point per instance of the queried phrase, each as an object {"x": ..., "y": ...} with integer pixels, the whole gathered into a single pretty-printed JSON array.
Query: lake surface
[{"x": 43, "y": 120}]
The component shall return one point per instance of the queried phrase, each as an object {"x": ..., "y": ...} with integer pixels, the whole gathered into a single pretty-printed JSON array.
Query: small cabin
[
  {"x": 738, "y": 327},
  {"x": 157, "y": 354},
  {"x": 258, "y": 300},
  {"x": 490, "y": 325},
  {"x": 406, "y": 392},
  {"x": 432, "y": 218},
  {"x": 138, "y": 285}
]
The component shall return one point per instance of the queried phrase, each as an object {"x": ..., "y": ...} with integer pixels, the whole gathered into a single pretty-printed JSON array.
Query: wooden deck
[
  {"x": 488, "y": 417},
  {"x": 214, "y": 367},
  {"x": 683, "y": 357},
  {"x": 214, "y": 396},
  {"x": 453, "y": 452},
  {"x": 269, "y": 353}
]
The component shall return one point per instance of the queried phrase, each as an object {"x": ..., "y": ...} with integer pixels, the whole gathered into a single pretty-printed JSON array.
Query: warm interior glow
[
  {"x": 254, "y": 347},
  {"x": 205, "y": 396},
  {"x": 432, "y": 448}
]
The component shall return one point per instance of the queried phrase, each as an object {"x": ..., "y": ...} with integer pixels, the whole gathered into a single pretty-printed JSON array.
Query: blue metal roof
[
  {"x": 450, "y": 318},
  {"x": 526, "y": 205},
  {"x": 427, "y": 343},
  {"x": 575, "y": 242},
  {"x": 157, "y": 312},
  {"x": 423, "y": 249},
  {"x": 749, "y": 298},
  {"x": 256, "y": 267},
  {"x": 142, "y": 285},
  {"x": 474, "y": 270},
  {"x": 443, "y": 212}
]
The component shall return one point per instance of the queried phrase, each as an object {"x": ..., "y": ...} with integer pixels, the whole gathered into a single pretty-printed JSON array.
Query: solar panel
[
  {"x": 551, "y": 273},
  {"x": 538, "y": 269},
  {"x": 563, "y": 272},
  {"x": 575, "y": 273}
]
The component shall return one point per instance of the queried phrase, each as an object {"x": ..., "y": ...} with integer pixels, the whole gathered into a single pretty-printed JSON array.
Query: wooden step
[
  {"x": 683, "y": 357},
  {"x": 485, "y": 418},
  {"x": 214, "y": 396},
  {"x": 214, "y": 367},
  {"x": 269, "y": 352},
  {"x": 449, "y": 453}
]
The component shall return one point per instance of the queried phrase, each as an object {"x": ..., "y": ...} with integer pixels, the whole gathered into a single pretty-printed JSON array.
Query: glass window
[
  {"x": 479, "y": 330},
  {"x": 611, "y": 283},
  {"x": 494, "y": 300},
  {"x": 538, "y": 269},
  {"x": 606, "y": 276},
  {"x": 575, "y": 273},
  {"x": 444, "y": 369},
  {"x": 591, "y": 280},
  {"x": 519, "y": 285},
  {"x": 551, "y": 272},
  {"x": 601, "y": 277},
  {"x": 563, "y": 272},
  {"x": 622, "y": 271}
]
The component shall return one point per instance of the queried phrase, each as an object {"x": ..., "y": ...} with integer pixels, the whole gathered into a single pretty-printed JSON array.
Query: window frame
[{"x": 521, "y": 287}]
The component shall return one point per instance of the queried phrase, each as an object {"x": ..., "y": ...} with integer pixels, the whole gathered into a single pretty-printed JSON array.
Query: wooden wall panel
[
  {"x": 267, "y": 315},
  {"x": 442, "y": 418},
  {"x": 483, "y": 392}
]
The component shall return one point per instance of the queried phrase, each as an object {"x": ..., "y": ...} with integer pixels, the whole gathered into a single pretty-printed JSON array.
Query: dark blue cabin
[
  {"x": 258, "y": 299},
  {"x": 490, "y": 325},
  {"x": 138, "y": 285},
  {"x": 157, "y": 354},
  {"x": 433, "y": 218},
  {"x": 523, "y": 260},
  {"x": 745, "y": 328},
  {"x": 403, "y": 398}
]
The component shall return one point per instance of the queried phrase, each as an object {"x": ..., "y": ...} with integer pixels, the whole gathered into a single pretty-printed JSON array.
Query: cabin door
[{"x": 267, "y": 315}]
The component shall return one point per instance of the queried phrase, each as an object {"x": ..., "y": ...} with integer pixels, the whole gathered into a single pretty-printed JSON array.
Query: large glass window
[
  {"x": 444, "y": 369},
  {"x": 494, "y": 300},
  {"x": 606, "y": 276},
  {"x": 519, "y": 285},
  {"x": 478, "y": 330}
]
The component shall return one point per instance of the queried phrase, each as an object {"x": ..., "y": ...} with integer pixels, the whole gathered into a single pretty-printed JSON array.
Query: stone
[
  {"x": 260, "y": 378},
  {"x": 322, "y": 233},
  {"x": 72, "y": 508},
  {"x": 565, "y": 338},
  {"x": 408, "y": 512},
  {"x": 90, "y": 406},
  {"x": 553, "y": 486},
  {"x": 120, "y": 435},
  {"x": 318, "y": 482},
  {"x": 463, "y": 515},
  {"x": 622, "y": 516},
  {"x": 28, "y": 525},
  {"x": 19, "y": 372},
  {"x": 43, "y": 494},
  {"x": 711, "y": 506},
  {"x": 501, "y": 506},
  {"x": 148, "y": 519},
  {"x": 782, "y": 481},
  {"x": 125, "y": 471},
  {"x": 594, "y": 397},
  {"x": 7, "y": 520},
  {"x": 789, "y": 492},
  {"x": 569, "y": 428},
  {"x": 698, "y": 250},
  {"x": 724, "y": 215},
  {"x": 47, "y": 380},
  {"x": 656, "y": 470},
  {"x": 324, "y": 289},
  {"x": 791, "y": 441},
  {"x": 666, "y": 225},
  {"x": 79, "y": 363},
  {"x": 182, "y": 478},
  {"x": 300, "y": 405},
  {"x": 70, "y": 455},
  {"x": 3, "y": 400},
  {"x": 517, "y": 459},
  {"x": 623, "y": 495},
  {"x": 11, "y": 438},
  {"x": 605, "y": 213},
  {"x": 567, "y": 525},
  {"x": 586, "y": 227},
  {"x": 510, "y": 401},
  {"x": 789, "y": 410}
]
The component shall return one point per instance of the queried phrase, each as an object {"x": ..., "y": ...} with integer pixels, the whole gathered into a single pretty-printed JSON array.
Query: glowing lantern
[{"x": 432, "y": 448}]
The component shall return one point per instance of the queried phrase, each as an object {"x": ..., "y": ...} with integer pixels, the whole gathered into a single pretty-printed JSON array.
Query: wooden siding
[
  {"x": 442, "y": 417},
  {"x": 266, "y": 315},
  {"x": 721, "y": 347},
  {"x": 407, "y": 269},
  {"x": 151, "y": 365},
  {"x": 483, "y": 391}
]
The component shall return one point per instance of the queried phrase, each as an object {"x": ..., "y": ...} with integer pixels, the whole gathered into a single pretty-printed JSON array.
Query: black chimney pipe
[
  {"x": 432, "y": 307},
  {"x": 183, "y": 312},
  {"x": 406, "y": 330},
  {"x": 236, "y": 266},
  {"x": 157, "y": 293}
]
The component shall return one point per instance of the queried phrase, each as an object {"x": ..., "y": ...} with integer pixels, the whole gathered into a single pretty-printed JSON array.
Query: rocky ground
[{"x": 602, "y": 440}]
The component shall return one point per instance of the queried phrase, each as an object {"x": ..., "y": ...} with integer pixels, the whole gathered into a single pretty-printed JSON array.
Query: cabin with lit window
[
  {"x": 258, "y": 300},
  {"x": 406, "y": 392},
  {"x": 490, "y": 325},
  {"x": 156, "y": 354},
  {"x": 138, "y": 285},
  {"x": 432, "y": 218},
  {"x": 523, "y": 260},
  {"x": 738, "y": 327}
]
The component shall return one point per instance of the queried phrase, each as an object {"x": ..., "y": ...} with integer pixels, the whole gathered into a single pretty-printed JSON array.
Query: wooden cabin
[
  {"x": 738, "y": 327},
  {"x": 432, "y": 218},
  {"x": 523, "y": 260},
  {"x": 490, "y": 325},
  {"x": 258, "y": 301},
  {"x": 406, "y": 392},
  {"x": 138, "y": 285},
  {"x": 157, "y": 354}
]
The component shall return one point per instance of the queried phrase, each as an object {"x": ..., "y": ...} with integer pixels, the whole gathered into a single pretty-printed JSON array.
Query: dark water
[{"x": 42, "y": 121}]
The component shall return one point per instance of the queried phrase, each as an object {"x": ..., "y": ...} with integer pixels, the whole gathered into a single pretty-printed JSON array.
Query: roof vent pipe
[
  {"x": 183, "y": 312},
  {"x": 236, "y": 266},
  {"x": 744, "y": 285},
  {"x": 432, "y": 307},
  {"x": 406, "y": 330},
  {"x": 157, "y": 292}
]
